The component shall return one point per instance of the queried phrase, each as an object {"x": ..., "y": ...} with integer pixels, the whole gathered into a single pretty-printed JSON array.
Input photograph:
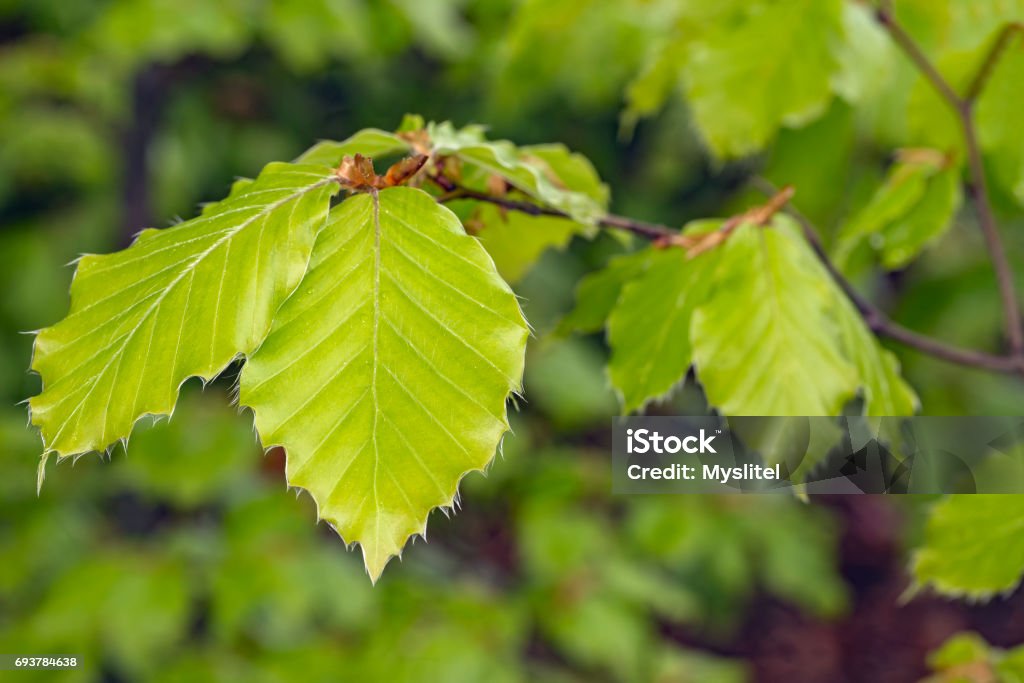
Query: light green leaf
[
  {"x": 929, "y": 219},
  {"x": 974, "y": 545},
  {"x": 998, "y": 118},
  {"x": 914, "y": 206},
  {"x": 598, "y": 292},
  {"x": 369, "y": 142},
  {"x": 866, "y": 56},
  {"x": 568, "y": 170},
  {"x": 768, "y": 65},
  {"x": 385, "y": 375},
  {"x": 885, "y": 390},
  {"x": 649, "y": 328},
  {"x": 178, "y": 303},
  {"x": 765, "y": 343},
  {"x": 516, "y": 240},
  {"x": 520, "y": 168}
]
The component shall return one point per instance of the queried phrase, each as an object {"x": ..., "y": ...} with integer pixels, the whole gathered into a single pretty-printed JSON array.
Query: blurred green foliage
[{"x": 187, "y": 559}]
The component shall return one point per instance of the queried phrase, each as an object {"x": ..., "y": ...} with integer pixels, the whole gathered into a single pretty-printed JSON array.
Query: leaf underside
[{"x": 385, "y": 375}]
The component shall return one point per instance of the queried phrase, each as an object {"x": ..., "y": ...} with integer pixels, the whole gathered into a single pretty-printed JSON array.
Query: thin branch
[
  {"x": 651, "y": 231},
  {"x": 978, "y": 186},
  {"x": 878, "y": 321}
]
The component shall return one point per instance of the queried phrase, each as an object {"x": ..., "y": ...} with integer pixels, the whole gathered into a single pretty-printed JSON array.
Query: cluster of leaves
[
  {"x": 416, "y": 341},
  {"x": 667, "y": 310},
  {"x": 376, "y": 332}
]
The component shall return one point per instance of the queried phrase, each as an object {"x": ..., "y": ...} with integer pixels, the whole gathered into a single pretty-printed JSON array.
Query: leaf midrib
[{"x": 190, "y": 269}]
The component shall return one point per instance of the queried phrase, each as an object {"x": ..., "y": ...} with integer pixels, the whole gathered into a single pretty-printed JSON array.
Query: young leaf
[
  {"x": 649, "y": 328},
  {"x": 914, "y": 207},
  {"x": 885, "y": 390},
  {"x": 764, "y": 342},
  {"x": 529, "y": 170},
  {"x": 386, "y": 373},
  {"x": 178, "y": 303},
  {"x": 973, "y": 546},
  {"x": 369, "y": 142},
  {"x": 768, "y": 65}
]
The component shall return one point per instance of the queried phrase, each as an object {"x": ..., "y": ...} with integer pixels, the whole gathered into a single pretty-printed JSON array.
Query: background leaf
[
  {"x": 740, "y": 92},
  {"x": 957, "y": 557}
]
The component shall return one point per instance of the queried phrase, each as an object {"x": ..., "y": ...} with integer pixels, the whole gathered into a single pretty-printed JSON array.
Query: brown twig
[
  {"x": 651, "y": 231},
  {"x": 963, "y": 107}
]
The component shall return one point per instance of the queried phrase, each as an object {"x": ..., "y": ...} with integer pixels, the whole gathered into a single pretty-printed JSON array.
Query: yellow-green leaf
[
  {"x": 178, "y": 303},
  {"x": 385, "y": 375}
]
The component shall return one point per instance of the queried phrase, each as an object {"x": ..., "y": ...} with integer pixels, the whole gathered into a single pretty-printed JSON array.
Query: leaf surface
[
  {"x": 529, "y": 170},
  {"x": 913, "y": 207},
  {"x": 370, "y": 142},
  {"x": 178, "y": 303},
  {"x": 765, "y": 343},
  {"x": 649, "y": 329},
  {"x": 761, "y": 66},
  {"x": 385, "y": 375},
  {"x": 999, "y": 119},
  {"x": 885, "y": 390},
  {"x": 974, "y": 545}
]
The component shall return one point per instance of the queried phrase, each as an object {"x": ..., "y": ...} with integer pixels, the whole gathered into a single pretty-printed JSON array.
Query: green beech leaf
[
  {"x": 386, "y": 373},
  {"x": 598, "y": 292},
  {"x": 768, "y": 65},
  {"x": 913, "y": 207},
  {"x": 178, "y": 303},
  {"x": 866, "y": 56},
  {"x": 764, "y": 342},
  {"x": 974, "y": 546},
  {"x": 885, "y": 390},
  {"x": 649, "y": 328},
  {"x": 532, "y": 170},
  {"x": 369, "y": 142},
  {"x": 516, "y": 240},
  {"x": 998, "y": 119}
]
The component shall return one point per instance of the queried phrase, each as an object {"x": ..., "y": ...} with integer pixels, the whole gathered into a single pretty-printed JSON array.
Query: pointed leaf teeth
[{"x": 119, "y": 355}]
